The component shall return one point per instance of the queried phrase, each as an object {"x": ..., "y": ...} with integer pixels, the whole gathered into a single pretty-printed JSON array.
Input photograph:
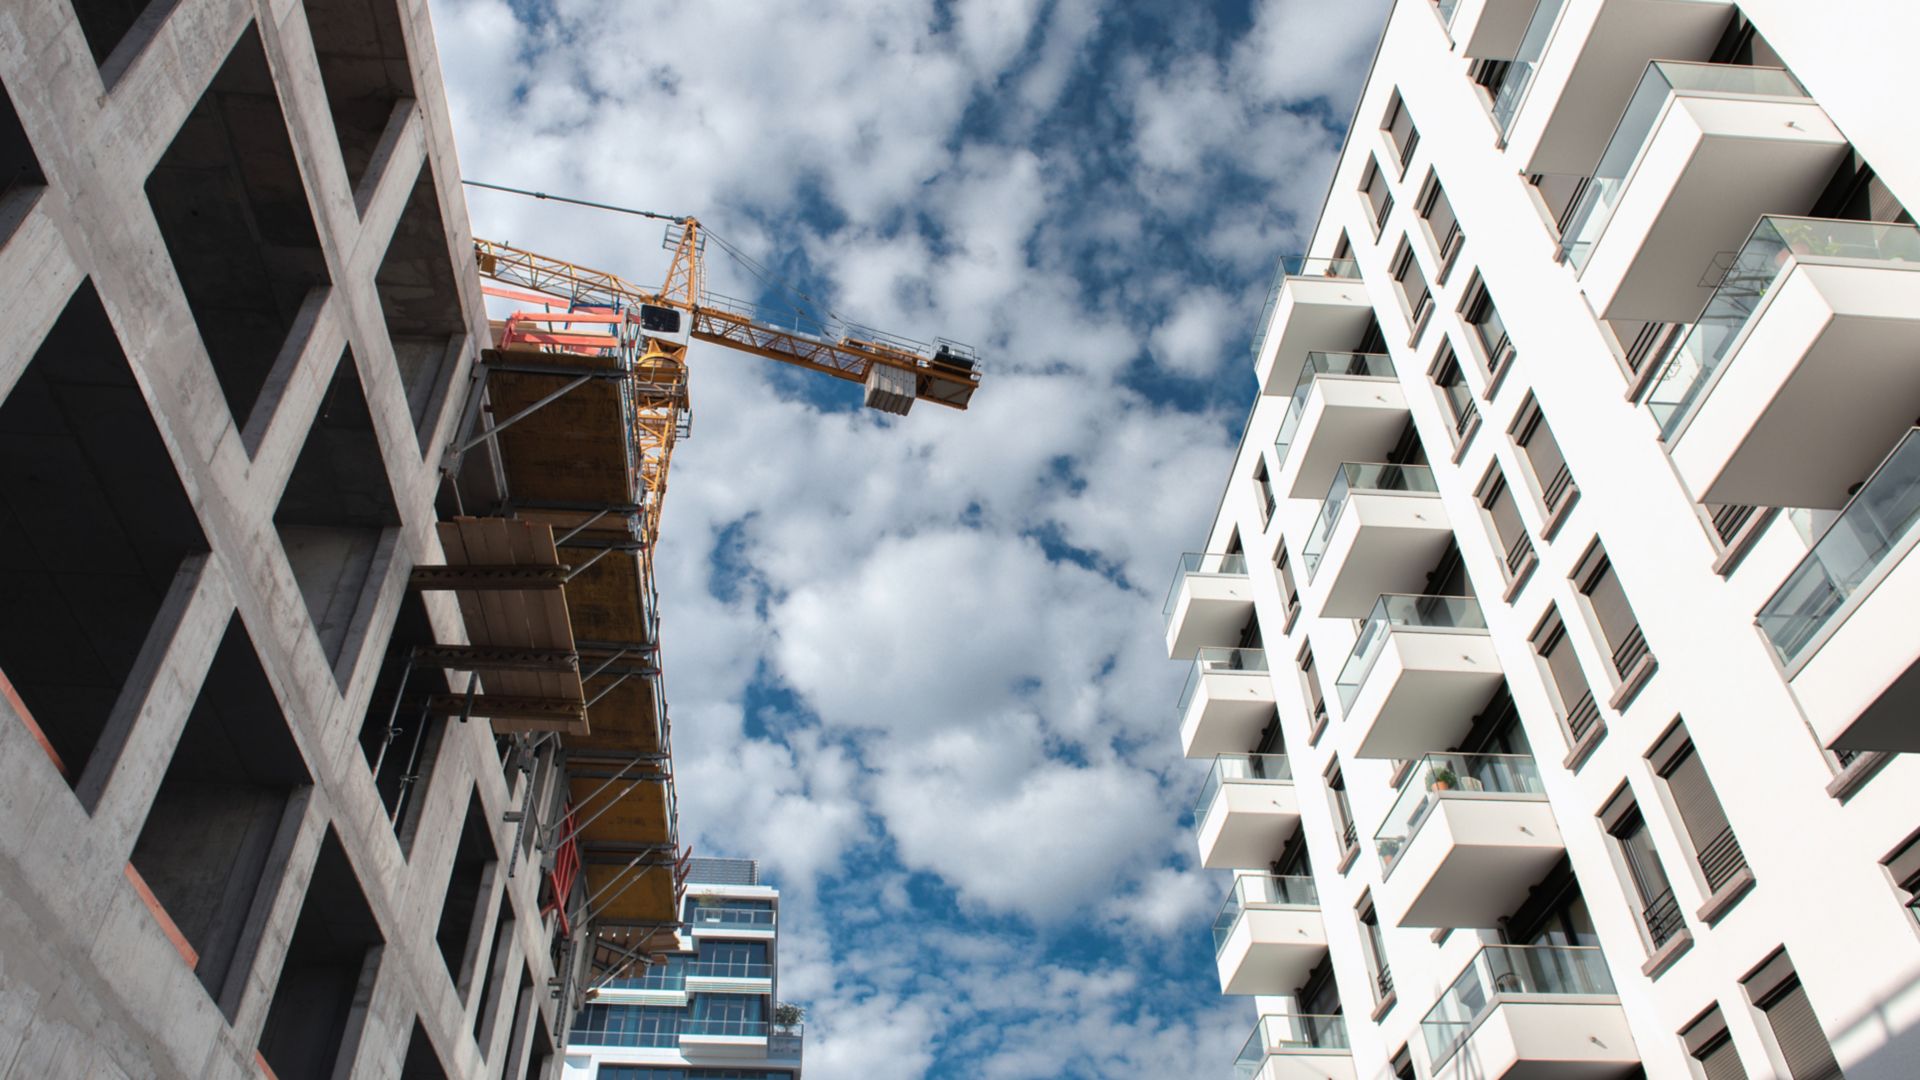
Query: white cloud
[{"x": 1194, "y": 337}]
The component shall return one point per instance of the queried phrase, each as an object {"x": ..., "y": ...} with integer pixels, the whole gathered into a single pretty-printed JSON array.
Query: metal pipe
[
  {"x": 522, "y": 414},
  {"x": 392, "y": 718}
]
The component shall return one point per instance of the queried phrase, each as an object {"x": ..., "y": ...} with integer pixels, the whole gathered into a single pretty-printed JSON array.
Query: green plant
[
  {"x": 1441, "y": 777},
  {"x": 788, "y": 1014}
]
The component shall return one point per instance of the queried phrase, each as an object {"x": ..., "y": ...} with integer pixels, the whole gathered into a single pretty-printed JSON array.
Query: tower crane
[{"x": 896, "y": 371}]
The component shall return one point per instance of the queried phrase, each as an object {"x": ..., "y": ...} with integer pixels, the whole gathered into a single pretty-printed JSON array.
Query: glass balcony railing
[
  {"x": 1259, "y": 891},
  {"x": 1416, "y": 614},
  {"x": 1445, "y": 9},
  {"x": 1193, "y": 563},
  {"x": 1352, "y": 477},
  {"x": 1519, "y": 76},
  {"x": 1543, "y": 970},
  {"x": 1239, "y": 768},
  {"x": 1773, "y": 244},
  {"x": 1214, "y": 659},
  {"x": 1870, "y": 527},
  {"x": 1663, "y": 79},
  {"x": 1438, "y": 776},
  {"x": 734, "y": 918},
  {"x": 728, "y": 969},
  {"x": 726, "y": 1027},
  {"x": 660, "y": 978},
  {"x": 1297, "y": 266},
  {"x": 1281, "y": 1033},
  {"x": 1351, "y": 365}
]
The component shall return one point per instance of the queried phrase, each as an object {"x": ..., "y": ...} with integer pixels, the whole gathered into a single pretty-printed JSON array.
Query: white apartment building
[
  {"x": 707, "y": 1011},
  {"x": 1552, "y": 643}
]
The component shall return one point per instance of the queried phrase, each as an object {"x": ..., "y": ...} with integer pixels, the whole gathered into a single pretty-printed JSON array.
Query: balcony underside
[
  {"x": 1806, "y": 405},
  {"x": 1423, "y": 693},
  {"x": 1228, "y": 712},
  {"x": 1848, "y": 712},
  {"x": 1710, "y": 169},
  {"x": 1247, "y": 825},
  {"x": 1577, "y": 97},
  {"x": 1315, "y": 314},
  {"x": 1211, "y": 609},
  {"x": 1308, "y": 1065},
  {"x": 1271, "y": 951},
  {"x": 1490, "y": 29},
  {"x": 1345, "y": 419},
  {"x": 1547, "y": 1038},
  {"x": 1471, "y": 862},
  {"x": 1384, "y": 542}
]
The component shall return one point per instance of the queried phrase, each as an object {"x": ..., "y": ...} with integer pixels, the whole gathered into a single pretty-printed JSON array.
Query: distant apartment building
[
  {"x": 709, "y": 1010},
  {"x": 1553, "y": 646},
  {"x": 332, "y": 742}
]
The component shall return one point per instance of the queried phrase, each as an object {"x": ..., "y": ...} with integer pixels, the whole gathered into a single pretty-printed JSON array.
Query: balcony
[
  {"x": 1811, "y": 331},
  {"x": 1490, "y": 29},
  {"x": 1312, "y": 304},
  {"x": 731, "y": 922},
  {"x": 1285, "y": 1046},
  {"x": 1702, "y": 151},
  {"x": 1208, "y": 603},
  {"x": 1227, "y": 702},
  {"x": 1587, "y": 66},
  {"x": 726, "y": 1037},
  {"x": 1420, "y": 670},
  {"x": 1268, "y": 935},
  {"x": 1345, "y": 407},
  {"x": 1380, "y": 529},
  {"x": 1466, "y": 838},
  {"x": 1246, "y": 812},
  {"x": 728, "y": 977},
  {"x": 1531, "y": 1012},
  {"x": 1842, "y": 623}
]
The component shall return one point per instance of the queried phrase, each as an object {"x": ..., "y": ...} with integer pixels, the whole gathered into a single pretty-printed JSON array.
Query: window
[
  {"x": 1579, "y": 713},
  {"x": 1403, "y": 1065},
  {"x": 1649, "y": 347},
  {"x": 1542, "y": 454},
  {"x": 1316, "y": 698},
  {"x": 1659, "y": 912},
  {"x": 1454, "y": 392},
  {"x": 1478, "y": 311},
  {"x": 1373, "y": 185},
  {"x": 1774, "y": 988},
  {"x": 1400, "y": 130},
  {"x": 1374, "y": 944},
  {"x": 1413, "y": 287},
  {"x": 1708, "y": 1044},
  {"x": 1503, "y": 514},
  {"x": 1715, "y": 849},
  {"x": 1904, "y": 865},
  {"x": 1288, "y": 589},
  {"x": 1442, "y": 226},
  {"x": 1265, "y": 485},
  {"x": 1619, "y": 629},
  {"x": 1342, "y": 815}
]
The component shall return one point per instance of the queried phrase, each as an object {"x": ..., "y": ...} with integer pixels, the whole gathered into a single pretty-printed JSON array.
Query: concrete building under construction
[{"x": 331, "y": 718}]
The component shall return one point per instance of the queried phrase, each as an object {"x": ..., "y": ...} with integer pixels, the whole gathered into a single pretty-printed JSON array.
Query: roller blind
[
  {"x": 1802, "y": 1041},
  {"x": 1714, "y": 845}
]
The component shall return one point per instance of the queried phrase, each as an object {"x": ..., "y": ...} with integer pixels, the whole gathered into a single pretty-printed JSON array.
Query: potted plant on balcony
[
  {"x": 1442, "y": 778},
  {"x": 787, "y": 1014}
]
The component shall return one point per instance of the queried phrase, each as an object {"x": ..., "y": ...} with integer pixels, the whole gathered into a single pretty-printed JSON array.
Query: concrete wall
[{"x": 347, "y": 265}]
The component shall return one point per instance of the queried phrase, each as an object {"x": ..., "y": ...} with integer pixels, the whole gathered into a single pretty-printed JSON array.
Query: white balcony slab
[
  {"x": 1209, "y": 609},
  {"x": 1805, "y": 405},
  {"x": 1471, "y": 860},
  {"x": 1346, "y": 418},
  {"x": 1860, "y": 688},
  {"x": 1384, "y": 542},
  {"x": 1313, "y": 314},
  {"x": 1271, "y": 950},
  {"x": 723, "y": 1046},
  {"x": 1422, "y": 693},
  {"x": 1590, "y": 69},
  {"x": 1247, "y": 824},
  {"x": 1307, "y": 1065},
  {"x": 1490, "y": 29},
  {"x": 1227, "y": 712},
  {"x": 718, "y": 984},
  {"x": 1547, "y": 1037},
  {"x": 1710, "y": 168}
]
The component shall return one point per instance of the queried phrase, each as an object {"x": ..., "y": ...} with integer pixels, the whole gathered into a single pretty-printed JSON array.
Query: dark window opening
[
  {"x": 422, "y": 1061},
  {"x": 363, "y": 66},
  {"x": 331, "y": 964},
  {"x": 493, "y": 976},
  {"x": 398, "y": 737},
  {"x": 1715, "y": 849},
  {"x": 1399, "y": 128},
  {"x": 420, "y": 298},
  {"x": 94, "y": 527},
  {"x": 1620, "y": 629},
  {"x": 1437, "y": 211},
  {"x": 1412, "y": 282},
  {"x": 461, "y": 912},
  {"x": 1509, "y": 532},
  {"x": 1659, "y": 911},
  {"x": 19, "y": 167},
  {"x": 1543, "y": 457},
  {"x": 1455, "y": 394},
  {"x": 1373, "y": 185},
  {"x": 204, "y": 848},
  {"x": 234, "y": 214},
  {"x": 105, "y": 23},
  {"x": 1579, "y": 712}
]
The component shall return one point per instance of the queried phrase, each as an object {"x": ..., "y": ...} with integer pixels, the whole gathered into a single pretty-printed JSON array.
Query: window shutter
[
  {"x": 1803, "y": 1043},
  {"x": 1709, "y": 1044},
  {"x": 1714, "y": 845}
]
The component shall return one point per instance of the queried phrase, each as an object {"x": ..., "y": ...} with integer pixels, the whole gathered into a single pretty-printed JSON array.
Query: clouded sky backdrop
[{"x": 916, "y": 665}]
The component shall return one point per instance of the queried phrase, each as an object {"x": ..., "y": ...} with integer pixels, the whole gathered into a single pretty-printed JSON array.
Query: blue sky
[{"x": 915, "y": 666}]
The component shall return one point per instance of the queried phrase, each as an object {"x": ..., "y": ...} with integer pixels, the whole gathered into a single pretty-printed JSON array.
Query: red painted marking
[
  {"x": 13, "y": 698},
  {"x": 165, "y": 920}
]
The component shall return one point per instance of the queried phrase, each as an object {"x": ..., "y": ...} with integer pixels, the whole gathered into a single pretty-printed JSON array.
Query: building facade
[
  {"x": 1550, "y": 649},
  {"x": 710, "y": 1010},
  {"x": 270, "y": 801}
]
